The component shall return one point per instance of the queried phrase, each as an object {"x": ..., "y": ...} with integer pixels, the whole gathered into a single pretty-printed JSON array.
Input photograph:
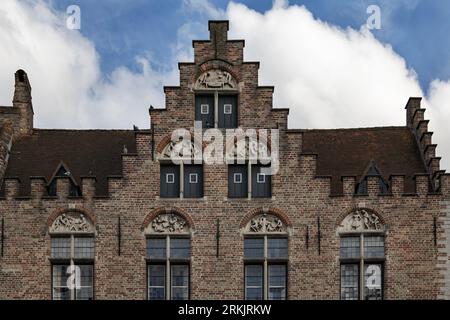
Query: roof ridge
[{"x": 354, "y": 129}]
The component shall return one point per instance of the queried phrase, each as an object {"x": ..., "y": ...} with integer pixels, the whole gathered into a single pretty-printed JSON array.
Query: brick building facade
[{"x": 351, "y": 213}]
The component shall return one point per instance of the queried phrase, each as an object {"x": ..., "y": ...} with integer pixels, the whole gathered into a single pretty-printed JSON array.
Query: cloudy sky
[{"x": 324, "y": 62}]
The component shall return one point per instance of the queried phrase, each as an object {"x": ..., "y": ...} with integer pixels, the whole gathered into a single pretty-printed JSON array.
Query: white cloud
[
  {"x": 332, "y": 77},
  {"x": 69, "y": 90},
  {"x": 329, "y": 77}
]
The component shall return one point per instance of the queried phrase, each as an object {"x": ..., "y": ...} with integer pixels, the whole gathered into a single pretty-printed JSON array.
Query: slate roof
[
  {"x": 83, "y": 152},
  {"x": 348, "y": 152}
]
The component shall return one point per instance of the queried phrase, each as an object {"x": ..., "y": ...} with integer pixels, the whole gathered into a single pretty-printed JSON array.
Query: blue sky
[{"x": 121, "y": 30}]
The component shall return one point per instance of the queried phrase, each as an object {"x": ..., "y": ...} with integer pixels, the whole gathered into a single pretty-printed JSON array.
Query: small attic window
[
  {"x": 361, "y": 187},
  {"x": 74, "y": 190}
]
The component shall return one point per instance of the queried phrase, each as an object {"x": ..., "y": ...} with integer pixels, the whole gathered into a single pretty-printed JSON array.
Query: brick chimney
[
  {"x": 218, "y": 35},
  {"x": 22, "y": 101}
]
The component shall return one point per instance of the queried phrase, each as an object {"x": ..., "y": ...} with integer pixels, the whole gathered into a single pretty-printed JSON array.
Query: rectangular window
[
  {"x": 261, "y": 184},
  {"x": 254, "y": 248},
  {"x": 61, "y": 247},
  {"x": 349, "y": 281},
  {"x": 350, "y": 247},
  {"x": 84, "y": 248},
  {"x": 86, "y": 290},
  {"x": 168, "y": 260},
  {"x": 59, "y": 282},
  {"x": 156, "y": 248},
  {"x": 227, "y": 108},
  {"x": 180, "y": 282},
  {"x": 373, "y": 247},
  {"x": 227, "y": 111},
  {"x": 277, "y": 282},
  {"x": 170, "y": 178},
  {"x": 266, "y": 263},
  {"x": 156, "y": 282},
  {"x": 373, "y": 279},
  {"x": 193, "y": 181},
  {"x": 193, "y": 178},
  {"x": 204, "y": 108},
  {"x": 169, "y": 181},
  {"x": 367, "y": 283},
  {"x": 204, "y": 111},
  {"x": 260, "y": 178},
  {"x": 238, "y": 181},
  {"x": 277, "y": 248},
  {"x": 180, "y": 248},
  {"x": 254, "y": 282}
]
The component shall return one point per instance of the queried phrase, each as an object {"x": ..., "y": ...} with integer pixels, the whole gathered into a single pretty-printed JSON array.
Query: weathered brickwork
[{"x": 417, "y": 254}]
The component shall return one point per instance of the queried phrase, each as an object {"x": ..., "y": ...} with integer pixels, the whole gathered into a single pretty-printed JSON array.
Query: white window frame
[
  {"x": 227, "y": 107},
  {"x": 172, "y": 175},
  {"x": 258, "y": 179},
  {"x": 202, "y": 110},
  {"x": 235, "y": 175},
  {"x": 191, "y": 178}
]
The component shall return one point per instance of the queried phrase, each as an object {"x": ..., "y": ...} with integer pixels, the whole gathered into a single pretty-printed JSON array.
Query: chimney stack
[{"x": 22, "y": 101}]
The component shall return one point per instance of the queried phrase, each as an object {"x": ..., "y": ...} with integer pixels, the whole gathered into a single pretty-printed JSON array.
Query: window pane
[
  {"x": 61, "y": 248},
  {"x": 350, "y": 247},
  {"x": 254, "y": 248},
  {"x": 349, "y": 281},
  {"x": 86, "y": 290},
  {"x": 277, "y": 282},
  {"x": 84, "y": 248},
  {"x": 277, "y": 247},
  {"x": 59, "y": 281},
  {"x": 253, "y": 282},
  {"x": 156, "y": 248},
  {"x": 373, "y": 246},
  {"x": 180, "y": 282},
  {"x": 180, "y": 248},
  {"x": 156, "y": 282},
  {"x": 373, "y": 281}
]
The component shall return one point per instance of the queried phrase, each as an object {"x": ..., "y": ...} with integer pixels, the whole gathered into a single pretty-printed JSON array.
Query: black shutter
[
  {"x": 228, "y": 120},
  {"x": 193, "y": 181},
  {"x": 171, "y": 189},
  {"x": 206, "y": 119},
  {"x": 237, "y": 190},
  {"x": 261, "y": 190}
]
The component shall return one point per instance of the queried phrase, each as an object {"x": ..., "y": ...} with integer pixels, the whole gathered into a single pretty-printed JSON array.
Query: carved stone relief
[
  {"x": 265, "y": 223},
  {"x": 168, "y": 223},
  {"x": 215, "y": 79},
  {"x": 71, "y": 222},
  {"x": 361, "y": 220}
]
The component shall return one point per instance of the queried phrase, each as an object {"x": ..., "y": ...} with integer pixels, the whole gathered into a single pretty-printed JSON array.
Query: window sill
[
  {"x": 249, "y": 199},
  {"x": 181, "y": 199}
]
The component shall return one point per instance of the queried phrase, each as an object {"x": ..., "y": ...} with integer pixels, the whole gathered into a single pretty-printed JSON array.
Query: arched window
[
  {"x": 362, "y": 255},
  {"x": 168, "y": 257},
  {"x": 72, "y": 257},
  {"x": 265, "y": 258},
  {"x": 216, "y": 99},
  {"x": 181, "y": 175}
]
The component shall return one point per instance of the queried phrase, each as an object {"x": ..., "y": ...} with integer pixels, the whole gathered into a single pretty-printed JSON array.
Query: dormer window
[
  {"x": 74, "y": 189},
  {"x": 372, "y": 170}
]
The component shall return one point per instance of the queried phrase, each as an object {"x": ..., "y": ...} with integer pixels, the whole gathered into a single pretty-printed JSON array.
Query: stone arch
[
  {"x": 158, "y": 212},
  {"x": 167, "y": 140},
  {"x": 271, "y": 215},
  {"x": 215, "y": 64},
  {"x": 361, "y": 220},
  {"x": 71, "y": 221}
]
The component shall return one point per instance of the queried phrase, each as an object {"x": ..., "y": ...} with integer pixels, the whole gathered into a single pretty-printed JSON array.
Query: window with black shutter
[
  {"x": 169, "y": 181},
  {"x": 204, "y": 110},
  {"x": 238, "y": 181},
  {"x": 193, "y": 181},
  {"x": 227, "y": 111},
  {"x": 261, "y": 182}
]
